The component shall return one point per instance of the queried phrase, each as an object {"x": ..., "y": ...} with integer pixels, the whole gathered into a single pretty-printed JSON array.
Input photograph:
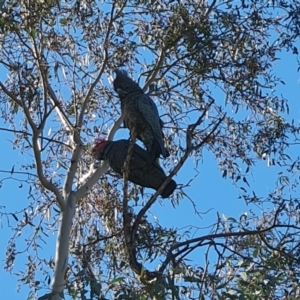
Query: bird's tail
[
  {"x": 169, "y": 189},
  {"x": 157, "y": 150}
]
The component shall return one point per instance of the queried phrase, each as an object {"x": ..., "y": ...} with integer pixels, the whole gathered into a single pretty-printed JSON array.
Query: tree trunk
[{"x": 62, "y": 247}]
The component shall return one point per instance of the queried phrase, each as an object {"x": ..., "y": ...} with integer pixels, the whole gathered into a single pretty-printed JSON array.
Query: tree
[{"x": 209, "y": 67}]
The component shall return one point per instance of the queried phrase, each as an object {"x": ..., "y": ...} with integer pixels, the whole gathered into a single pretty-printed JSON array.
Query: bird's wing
[
  {"x": 142, "y": 171},
  {"x": 150, "y": 113},
  {"x": 142, "y": 157}
]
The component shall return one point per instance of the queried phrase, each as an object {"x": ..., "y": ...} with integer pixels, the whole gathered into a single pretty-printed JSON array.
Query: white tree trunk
[
  {"x": 67, "y": 214},
  {"x": 62, "y": 247}
]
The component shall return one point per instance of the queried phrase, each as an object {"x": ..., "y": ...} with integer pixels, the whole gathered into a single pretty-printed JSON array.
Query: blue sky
[{"x": 209, "y": 191}]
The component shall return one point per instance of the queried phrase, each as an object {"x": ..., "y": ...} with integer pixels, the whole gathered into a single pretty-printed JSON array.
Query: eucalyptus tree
[{"x": 209, "y": 66}]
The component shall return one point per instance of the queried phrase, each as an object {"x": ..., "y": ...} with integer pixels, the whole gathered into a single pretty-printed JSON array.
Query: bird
[
  {"x": 142, "y": 171},
  {"x": 140, "y": 114}
]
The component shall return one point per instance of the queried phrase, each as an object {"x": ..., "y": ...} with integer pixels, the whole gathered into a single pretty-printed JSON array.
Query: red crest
[{"x": 98, "y": 145}]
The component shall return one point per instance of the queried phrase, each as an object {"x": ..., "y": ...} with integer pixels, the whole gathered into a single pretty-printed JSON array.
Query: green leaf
[
  {"x": 255, "y": 253},
  {"x": 118, "y": 279}
]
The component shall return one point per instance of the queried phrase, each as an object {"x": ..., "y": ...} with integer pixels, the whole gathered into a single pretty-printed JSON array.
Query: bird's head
[
  {"x": 123, "y": 84},
  {"x": 97, "y": 148}
]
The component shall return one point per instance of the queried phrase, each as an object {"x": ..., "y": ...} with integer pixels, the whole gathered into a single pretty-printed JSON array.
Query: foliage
[{"x": 210, "y": 68}]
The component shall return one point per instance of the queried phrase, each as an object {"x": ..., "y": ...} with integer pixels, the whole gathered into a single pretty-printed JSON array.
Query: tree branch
[
  {"x": 37, "y": 155},
  {"x": 199, "y": 240},
  {"x": 189, "y": 149},
  {"x": 104, "y": 63},
  {"x": 100, "y": 171},
  {"x": 42, "y": 67},
  {"x": 39, "y": 168},
  {"x": 84, "y": 189},
  {"x": 155, "y": 70},
  {"x": 73, "y": 165},
  {"x": 19, "y": 103},
  {"x": 18, "y": 172},
  {"x": 129, "y": 242},
  {"x": 40, "y": 137},
  {"x": 11, "y": 95},
  {"x": 62, "y": 116},
  {"x": 62, "y": 247}
]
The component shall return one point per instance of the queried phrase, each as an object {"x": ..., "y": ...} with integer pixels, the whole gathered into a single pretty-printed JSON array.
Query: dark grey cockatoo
[
  {"x": 142, "y": 170},
  {"x": 140, "y": 113}
]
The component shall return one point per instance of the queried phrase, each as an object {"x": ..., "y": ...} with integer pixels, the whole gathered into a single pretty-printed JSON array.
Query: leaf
[
  {"x": 33, "y": 33},
  {"x": 80, "y": 273},
  {"x": 231, "y": 219},
  {"x": 255, "y": 253},
  {"x": 221, "y": 286},
  {"x": 243, "y": 189},
  {"x": 244, "y": 276},
  {"x": 245, "y": 180},
  {"x": 15, "y": 217},
  {"x": 12, "y": 170},
  {"x": 116, "y": 280}
]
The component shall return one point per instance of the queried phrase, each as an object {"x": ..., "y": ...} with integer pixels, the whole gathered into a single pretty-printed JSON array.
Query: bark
[
  {"x": 66, "y": 217},
  {"x": 62, "y": 247}
]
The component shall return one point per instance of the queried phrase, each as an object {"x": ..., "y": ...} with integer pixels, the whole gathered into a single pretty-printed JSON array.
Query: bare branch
[
  {"x": 156, "y": 69},
  {"x": 199, "y": 240},
  {"x": 40, "y": 137},
  {"x": 115, "y": 128},
  {"x": 18, "y": 172},
  {"x": 189, "y": 149},
  {"x": 104, "y": 63},
  {"x": 83, "y": 190},
  {"x": 209, "y": 9},
  {"x": 62, "y": 116},
  {"x": 110, "y": 137},
  {"x": 129, "y": 242},
  {"x": 39, "y": 168},
  {"x": 90, "y": 91},
  {"x": 43, "y": 69},
  {"x": 35, "y": 136}
]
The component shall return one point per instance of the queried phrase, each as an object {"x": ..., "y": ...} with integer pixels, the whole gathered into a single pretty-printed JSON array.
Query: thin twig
[
  {"x": 40, "y": 137},
  {"x": 11, "y": 95},
  {"x": 104, "y": 63},
  {"x": 214, "y": 236},
  {"x": 35, "y": 145},
  {"x": 39, "y": 168},
  {"x": 189, "y": 149},
  {"x": 155, "y": 70},
  {"x": 61, "y": 114},
  {"x": 18, "y": 172}
]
